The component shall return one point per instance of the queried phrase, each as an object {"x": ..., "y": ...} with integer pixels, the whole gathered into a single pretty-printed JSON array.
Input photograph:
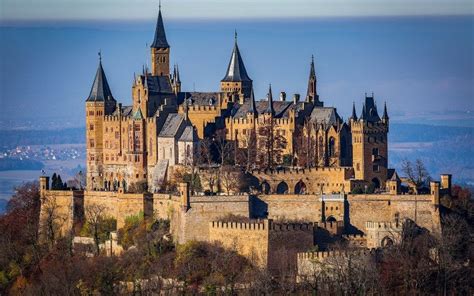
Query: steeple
[
  {"x": 100, "y": 91},
  {"x": 160, "y": 35},
  {"x": 253, "y": 106},
  {"x": 160, "y": 50},
  {"x": 354, "y": 113},
  {"x": 236, "y": 71},
  {"x": 270, "y": 109},
  {"x": 178, "y": 80},
  {"x": 312, "y": 93}
]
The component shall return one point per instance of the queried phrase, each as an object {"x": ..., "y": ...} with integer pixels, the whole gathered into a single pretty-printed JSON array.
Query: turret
[
  {"x": 160, "y": 50},
  {"x": 253, "y": 107},
  {"x": 270, "y": 109},
  {"x": 176, "y": 80},
  {"x": 354, "y": 113},
  {"x": 385, "y": 118},
  {"x": 236, "y": 79}
]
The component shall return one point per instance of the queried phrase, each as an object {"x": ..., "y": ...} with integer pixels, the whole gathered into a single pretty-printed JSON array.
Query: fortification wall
[
  {"x": 289, "y": 207},
  {"x": 248, "y": 239},
  {"x": 57, "y": 209},
  {"x": 194, "y": 223},
  {"x": 385, "y": 207}
]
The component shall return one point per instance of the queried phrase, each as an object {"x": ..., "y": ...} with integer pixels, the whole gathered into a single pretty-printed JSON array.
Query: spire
[
  {"x": 186, "y": 107},
  {"x": 100, "y": 91},
  {"x": 160, "y": 35},
  {"x": 354, "y": 113},
  {"x": 312, "y": 93},
  {"x": 178, "y": 80},
  {"x": 253, "y": 106},
  {"x": 385, "y": 113},
  {"x": 270, "y": 109},
  {"x": 236, "y": 70},
  {"x": 363, "y": 115},
  {"x": 138, "y": 114}
]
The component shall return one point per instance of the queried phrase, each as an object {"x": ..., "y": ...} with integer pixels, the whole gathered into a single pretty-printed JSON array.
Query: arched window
[
  {"x": 376, "y": 183},
  {"x": 265, "y": 187},
  {"x": 331, "y": 219},
  {"x": 386, "y": 242},
  {"x": 332, "y": 147},
  {"x": 300, "y": 188},
  {"x": 282, "y": 188}
]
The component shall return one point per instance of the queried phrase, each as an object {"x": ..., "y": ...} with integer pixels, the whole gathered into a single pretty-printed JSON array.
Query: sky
[
  {"x": 422, "y": 66},
  {"x": 144, "y": 9}
]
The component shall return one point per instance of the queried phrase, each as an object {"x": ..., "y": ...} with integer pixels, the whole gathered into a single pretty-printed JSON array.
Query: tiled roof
[
  {"x": 189, "y": 134},
  {"x": 327, "y": 115},
  {"x": 236, "y": 70},
  {"x": 281, "y": 108},
  {"x": 100, "y": 90},
  {"x": 160, "y": 35},
  {"x": 200, "y": 98}
]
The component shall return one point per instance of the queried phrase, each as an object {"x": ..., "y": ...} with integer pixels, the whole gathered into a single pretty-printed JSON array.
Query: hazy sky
[{"x": 145, "y": 9}]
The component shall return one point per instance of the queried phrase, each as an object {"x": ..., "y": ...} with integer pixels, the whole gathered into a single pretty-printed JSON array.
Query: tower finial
[
  {"x": 235, "y": 35},
  {"x": 312, "y": 58},
  {"x": 100, "y": 55},
  {"x": 159, "y": 4}
]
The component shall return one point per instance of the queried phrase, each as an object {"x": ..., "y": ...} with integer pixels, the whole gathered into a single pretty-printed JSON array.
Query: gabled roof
[
  {"x": 189, "y": 134},
  {"x": 157, "y": 84},
  {"x": 236, "y": 70},
  {"x": 138, "y": 114},
  {"x": 100, "y": 91},
  {"x": 200, "y": 98},
  {"x": 160, "y": 35},
  {"x": 327, "y": 115},
  {"x": 281, "y": 108},
  {"x": 125, "y": 111},
  {"x": 171, "y": 126}
]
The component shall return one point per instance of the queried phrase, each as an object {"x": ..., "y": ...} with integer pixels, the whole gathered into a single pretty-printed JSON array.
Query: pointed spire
[
  {"x": 177, "y": 74},
  {"x": 160, "y": 35},
  {"x": 100, "y": 90},
  {"x": 236, "y": 70},
  {"x": 385, "y": 113},
  {"x": 312, "y": 92},
  {"x": 270, "y": 109},
  {"x": 354, "y": 113},
  {"x": 363, "y": 115},
  {"x": 253, "y": 106}
]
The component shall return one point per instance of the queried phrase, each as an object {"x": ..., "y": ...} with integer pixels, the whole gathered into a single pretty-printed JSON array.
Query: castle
[
  {"x": 144, "y": 142},
  {"x": 312, "y": 163}
]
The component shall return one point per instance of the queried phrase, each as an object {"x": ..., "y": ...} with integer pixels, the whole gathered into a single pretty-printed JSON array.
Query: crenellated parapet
[{"x": 307, "y": 256}]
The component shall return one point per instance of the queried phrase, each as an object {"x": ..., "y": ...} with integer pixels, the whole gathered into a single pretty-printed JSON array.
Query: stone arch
[
  {"x": 331, "y": 219},
  {"x": 376, "y": 183},
  {"x": 282, "y": 188},
  {"x": 265, "y": 187},
  {"x": 386, "y": 242},
  {"x": 300, "y": 187}
]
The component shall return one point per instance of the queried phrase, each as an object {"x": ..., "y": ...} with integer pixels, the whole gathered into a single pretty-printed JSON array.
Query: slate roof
[
  {"x": 160, "y": 35},
  {"x": 125, "y": 110},
  {"x": 236, "y": 70},
  {"x": 157, "y": 84},
  {"x": 171, "y": 126},
  {"x": 100, "y": 90},
  {"x": 281, "y": 108},
  {"x": 326, "y": 115},
  {"x": 369, "y": 110},
  {"x": 189, "y": 134},
  {"x": 200, "y": 98}
]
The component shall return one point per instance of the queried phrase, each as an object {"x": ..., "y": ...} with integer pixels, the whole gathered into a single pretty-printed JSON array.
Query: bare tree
[
  {"x": 224, "y": 147},
  {"x": 230, "y": 179},
  {"x": 270, "y": 144},
  {"x": 95, "y": 215},
  {"x": 416, "y": 173}
]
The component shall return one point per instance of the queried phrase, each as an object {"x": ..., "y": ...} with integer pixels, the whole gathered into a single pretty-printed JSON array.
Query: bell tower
[{"x": 160, "y": 50}]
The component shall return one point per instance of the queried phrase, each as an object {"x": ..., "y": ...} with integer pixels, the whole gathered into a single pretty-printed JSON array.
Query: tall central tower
[{"x": 160, "y": 50}]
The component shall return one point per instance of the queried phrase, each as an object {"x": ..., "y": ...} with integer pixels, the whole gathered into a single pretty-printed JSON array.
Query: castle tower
[
  {"x": 312, "y": 93},
  {"x": 236, "y": 80},
  {"x": 99, "y": 103},
  {"x": 369, "y": 145},
  {"x": 176, "y": 80},
  {"x": 137, "y": 149},
  {"x": 160, "y": 50}
]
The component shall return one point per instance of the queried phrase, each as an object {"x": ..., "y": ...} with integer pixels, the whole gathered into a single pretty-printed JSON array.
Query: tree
[
  {"x": 416, "y": 173},
  {"x": 224, "y": 148},
  {"x": 305, "y": 144},
  {"x": 270, "y": 144},
  {"x": 231, "y": 179},
  {"x": 97, "y": 224},
  {"x": 246, "y": 156}
]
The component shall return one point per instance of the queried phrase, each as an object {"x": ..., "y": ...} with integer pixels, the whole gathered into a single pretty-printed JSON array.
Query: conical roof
[
  {"x": 270, "y": 109},
  {"x": 160, "y": 35},
  {"x": 253, "y": 106},
  {"x": 100, "y": 91},
  {"x": 236, "y": 70},
  {"x": 354, "y": 113}
]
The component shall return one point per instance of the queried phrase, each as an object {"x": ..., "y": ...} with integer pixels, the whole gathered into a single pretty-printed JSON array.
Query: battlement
[
  {"x": 329, "y": 225},
  {"x": 258, "y": 226},
  {"x": 331, "y": 254},
  {"x": 384, "y": 225},
  {"x": 281, "y": 227},
  {"x": 296, "y": 171},
  {"x": 200, "y": 108},
  {"x": 350, "y": 237}
]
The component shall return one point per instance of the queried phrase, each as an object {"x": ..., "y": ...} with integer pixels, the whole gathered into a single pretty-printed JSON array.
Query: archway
[
  {"x": 331, "y": 219},
  {"x": 300, "y": 188},
  {"x": 265, "y": 187},
  {"x": 376, "y": 183},
  {"x": 386, "y": 242},
  {"x": 282, "y": 188}
]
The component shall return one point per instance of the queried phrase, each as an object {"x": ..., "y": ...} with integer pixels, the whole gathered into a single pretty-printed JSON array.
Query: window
[
  {"x": 375, "y": 151},
  {"x": 376, "y": 168},
  {"x": 91, "y": 143},
  {"x": 358, "y": 166},
  {"x": 332, "y": 147},
  {"x": 91, "y": 127}
]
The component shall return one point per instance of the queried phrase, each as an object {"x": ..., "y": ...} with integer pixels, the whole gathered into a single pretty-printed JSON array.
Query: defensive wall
[{"x": 268, "y": 244}]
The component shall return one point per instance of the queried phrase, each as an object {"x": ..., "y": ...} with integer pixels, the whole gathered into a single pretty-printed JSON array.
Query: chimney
[
  {"x": 283, "y": 96},
  {"x": 296, "y": 98}
]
